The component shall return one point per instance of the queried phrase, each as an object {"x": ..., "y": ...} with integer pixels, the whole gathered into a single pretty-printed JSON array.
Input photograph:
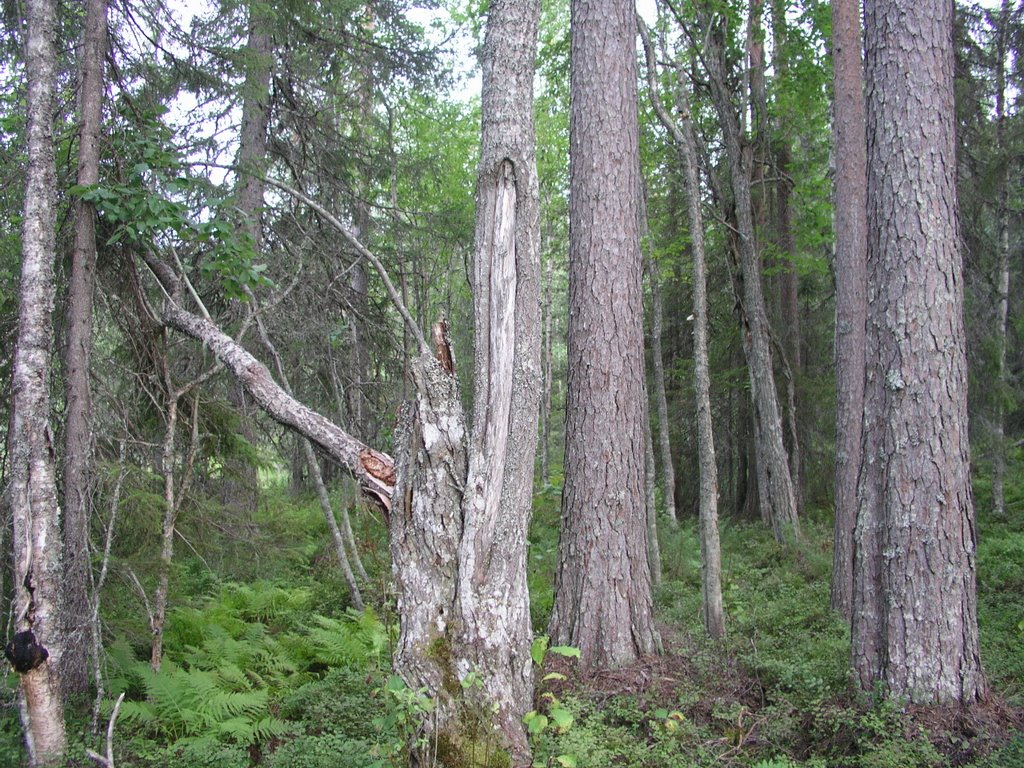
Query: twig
[{"x": 108, "y": 761}]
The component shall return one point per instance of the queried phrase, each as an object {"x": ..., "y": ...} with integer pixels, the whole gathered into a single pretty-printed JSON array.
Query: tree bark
[
  {"x": 668, "y": 472},
  {"x": 548, "y": 380},
  {"x": 78, "y": 442},
  {"x": 33, "y": 488},
  {"x": 1003, "y": 269},
  {"x": 711, "y": 553},
  {"x": 651, "y": 507},
  {"x": 914, "y": 602},
  {"x": 850, "y": 269},
  {"x": 776, "y": 497},
  {"x": 602, "y": 599}
]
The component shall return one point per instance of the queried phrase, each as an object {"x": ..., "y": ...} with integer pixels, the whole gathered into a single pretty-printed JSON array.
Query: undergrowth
[{"x": 278, "y": 673}]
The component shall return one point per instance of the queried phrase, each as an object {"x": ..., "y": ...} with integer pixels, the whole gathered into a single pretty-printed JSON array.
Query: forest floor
[{"x": 266, "y": 667}]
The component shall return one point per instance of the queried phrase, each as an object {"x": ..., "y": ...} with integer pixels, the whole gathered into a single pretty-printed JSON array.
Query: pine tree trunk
[
  {"x": 78, "y": 439},
  {"x": 602, "y": 599},
  {"x": 33, "y": 488},
  {"x": 850, "y": 269},
  {"x": 914, "y": 601}
]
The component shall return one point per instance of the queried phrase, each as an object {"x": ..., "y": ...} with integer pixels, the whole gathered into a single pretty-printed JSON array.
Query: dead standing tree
[{"x": 458, "y": 496}]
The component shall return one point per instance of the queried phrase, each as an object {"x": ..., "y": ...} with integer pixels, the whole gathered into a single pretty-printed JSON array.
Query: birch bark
[{"x": 33, "y": 488}]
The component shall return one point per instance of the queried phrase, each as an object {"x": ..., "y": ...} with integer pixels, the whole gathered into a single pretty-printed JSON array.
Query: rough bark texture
[
  {"x": 602, "y": 599},
  {"x": 850, "y": 268},
  {"x": 425, "y": 528},
  {"x": 914, "y": 601},
  {"x": 650, "y": 504},
  {"x": 548, "y": 380},
  {"x": 78, "y": 427},
  {"x": 463, "y": 506},
  {"x": 33, "y": 488},
  {"x": 775, "y": 486},
  {"x": 681, "y": 131}
]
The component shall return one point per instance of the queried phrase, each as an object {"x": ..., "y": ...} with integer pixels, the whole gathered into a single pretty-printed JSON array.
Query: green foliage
[{"x": 149, "y": 207}]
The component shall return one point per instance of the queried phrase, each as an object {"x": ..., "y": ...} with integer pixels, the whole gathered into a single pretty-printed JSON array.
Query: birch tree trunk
[
  {"x": 914, "y": 602},
  {"x": 38, "y": 643},
  {"x": 78, "y": 442},
  {"x": 850, "y": 268},
  {"x": 602, "y": 601}
]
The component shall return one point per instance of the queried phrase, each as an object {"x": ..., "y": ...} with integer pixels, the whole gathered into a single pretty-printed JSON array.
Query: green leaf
[
  {"x": 566, "y": 761},
  {"x": 565, "y": 650},
  {"x": 536, "y": 724},
  {"x": 562, "y": 719},
  {"x": 539, "y": 649},
  {"x": 553, "y": 676}
]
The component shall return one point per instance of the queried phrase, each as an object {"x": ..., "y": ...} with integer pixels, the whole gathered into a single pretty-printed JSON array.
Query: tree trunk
[
  {"x": 1003, "y": 271},
  {"x": 78, "y": 441},
  {"x": 650, "y": 505},
  {"x": 850, "y": 269},
  {"x": 775, "y": 487},
  {"x": 914, "y": 602},
  {"x": 241, "y": 481},
  {"x": 602, "y": 599},
  {"x": 33, "y": 490},
  {"x": 548, "y": 381},
  {"x": 710, "y": 546},
  {"x": 469, "y": 620},
  {"x": 668, "y": 472}
]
